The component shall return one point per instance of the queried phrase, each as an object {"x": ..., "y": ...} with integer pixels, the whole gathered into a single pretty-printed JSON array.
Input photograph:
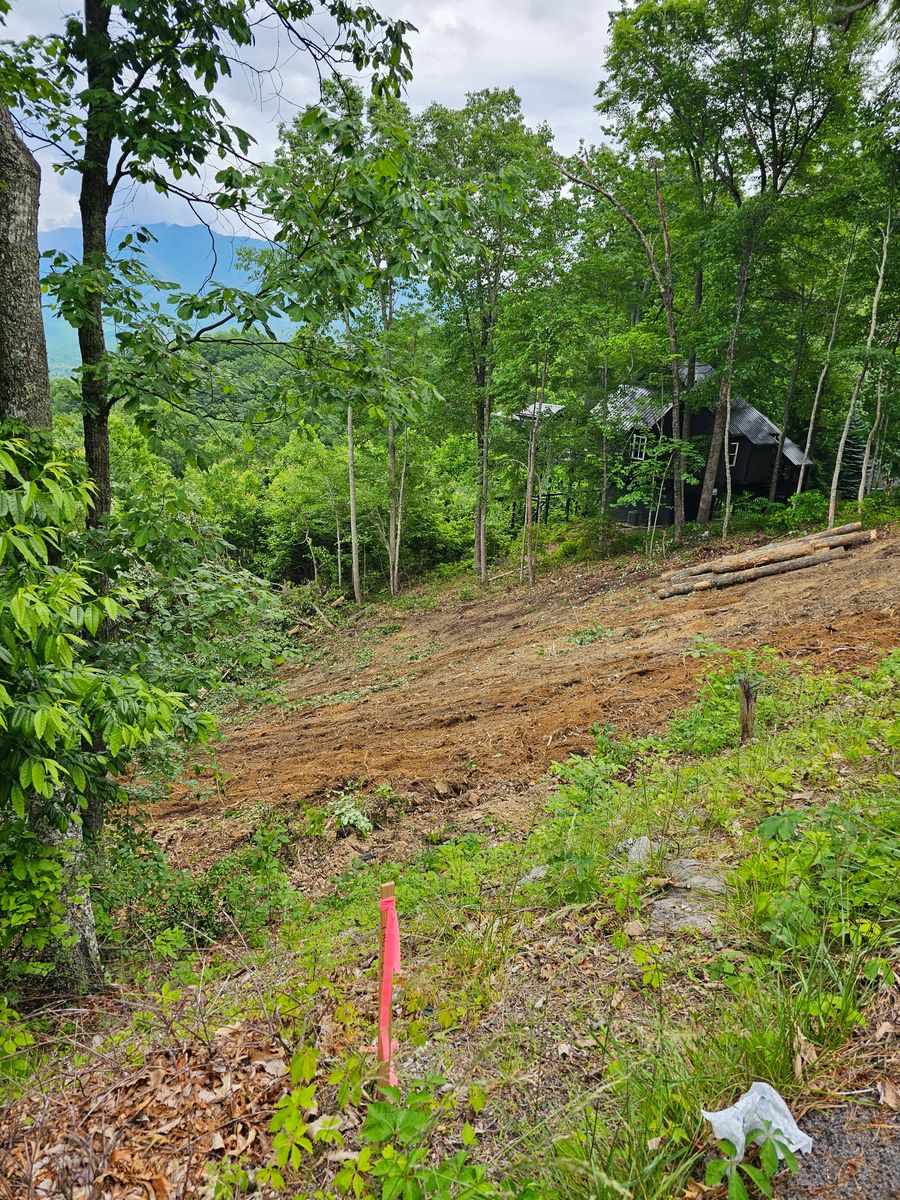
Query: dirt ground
[{"x": 460, "y": 707}]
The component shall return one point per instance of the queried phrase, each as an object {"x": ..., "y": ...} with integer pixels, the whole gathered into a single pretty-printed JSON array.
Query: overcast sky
[{"x": 550, "y": 51}]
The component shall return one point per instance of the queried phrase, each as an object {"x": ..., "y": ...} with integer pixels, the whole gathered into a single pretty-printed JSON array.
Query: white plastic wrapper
[{"x": 760, "y": 1108}]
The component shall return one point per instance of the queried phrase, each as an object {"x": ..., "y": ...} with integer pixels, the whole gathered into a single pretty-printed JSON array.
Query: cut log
[
  {"x": 845, "y": 539},
  {"x": 762, "y": 556},
  {"x": 849, "y": 528},
  {"x": 780, "y": 568},
  {"x": 759, "y": 555}
]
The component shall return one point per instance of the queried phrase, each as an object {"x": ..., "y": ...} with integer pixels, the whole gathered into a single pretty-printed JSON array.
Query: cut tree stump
[{"x": 748, "y": 690}]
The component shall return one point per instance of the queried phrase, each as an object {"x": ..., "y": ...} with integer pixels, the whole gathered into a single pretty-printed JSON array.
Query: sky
[{"x": 550, "y": 51}]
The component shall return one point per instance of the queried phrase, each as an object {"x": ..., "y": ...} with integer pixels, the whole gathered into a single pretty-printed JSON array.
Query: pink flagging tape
[{"x": 390, "y": 966}]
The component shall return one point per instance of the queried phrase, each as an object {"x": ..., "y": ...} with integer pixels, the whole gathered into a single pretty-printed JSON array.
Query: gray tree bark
[{"x": 24, "y": 379}]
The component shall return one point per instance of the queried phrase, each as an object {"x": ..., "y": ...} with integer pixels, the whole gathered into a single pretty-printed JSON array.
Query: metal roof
[
  {"x": 528, "y": 414},
  {"x": 750, "y": 423},
  {"x": 636, "y": 405}
]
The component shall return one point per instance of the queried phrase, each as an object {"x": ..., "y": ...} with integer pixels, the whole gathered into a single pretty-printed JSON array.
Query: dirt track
[{"x": 478, "y": 697}]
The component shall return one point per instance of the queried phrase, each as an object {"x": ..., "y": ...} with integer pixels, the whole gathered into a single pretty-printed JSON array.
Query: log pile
[{"x": 773, "y": 559}]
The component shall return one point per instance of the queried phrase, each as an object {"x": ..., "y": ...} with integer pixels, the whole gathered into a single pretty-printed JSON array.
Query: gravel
[{"x": 855, "y": 1156}]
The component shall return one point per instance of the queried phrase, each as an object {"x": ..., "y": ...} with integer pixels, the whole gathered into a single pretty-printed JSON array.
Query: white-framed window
[
  {"x": 638, "y": 447},
  {"x": 733, "y": 453}
]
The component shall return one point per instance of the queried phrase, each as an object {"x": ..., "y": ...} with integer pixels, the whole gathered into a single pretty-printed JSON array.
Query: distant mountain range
[{"x": 182, "y": 254}]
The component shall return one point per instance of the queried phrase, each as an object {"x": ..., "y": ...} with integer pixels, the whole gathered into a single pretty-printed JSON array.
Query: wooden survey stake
[{"x": 384, "y": 1042}]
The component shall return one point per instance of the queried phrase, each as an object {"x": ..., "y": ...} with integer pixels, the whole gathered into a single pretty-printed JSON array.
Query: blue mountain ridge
[{"x": 186, "y": 255}]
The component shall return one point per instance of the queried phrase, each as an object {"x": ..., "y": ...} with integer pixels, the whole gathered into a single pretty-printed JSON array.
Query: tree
[
  {"x": 358, "y": 233},
  {"x": 24, "y": 381},
  {"x": 139, "y": 82},
  {"x": 745, "y": 92},
  {"x": 486, "y": 148}
]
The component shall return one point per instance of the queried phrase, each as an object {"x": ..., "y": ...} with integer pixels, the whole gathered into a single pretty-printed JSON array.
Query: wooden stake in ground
[
  {"x": 388, "y": 965},
  {"x": 748, "y": 690}
]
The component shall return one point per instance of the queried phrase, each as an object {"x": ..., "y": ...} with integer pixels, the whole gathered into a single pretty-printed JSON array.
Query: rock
[
  {"x": 444, "y": 788},
  {"x": 534, "y": 875},
  {"x": 633, "y": 929},
  {"x": 683, "y": 913},
  {"x": 697, "y": 876},
  {"x": 641, "y": 852}
]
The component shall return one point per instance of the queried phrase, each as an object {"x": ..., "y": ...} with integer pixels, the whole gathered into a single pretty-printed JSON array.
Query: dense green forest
[{"x": 421, "y": 373}]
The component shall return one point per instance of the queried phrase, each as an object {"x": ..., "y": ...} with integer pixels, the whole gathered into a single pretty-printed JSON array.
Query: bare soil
[{"x": 461, "y": 706}]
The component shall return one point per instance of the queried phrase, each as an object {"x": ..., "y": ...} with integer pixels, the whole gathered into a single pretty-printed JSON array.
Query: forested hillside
[{"x": 449, "y": 525}]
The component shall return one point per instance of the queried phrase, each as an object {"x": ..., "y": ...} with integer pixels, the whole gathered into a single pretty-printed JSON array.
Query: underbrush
[{"x": 499, "y": 1005}]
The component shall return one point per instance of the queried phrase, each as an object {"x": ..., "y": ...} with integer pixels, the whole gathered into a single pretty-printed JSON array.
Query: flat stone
[
  {"x": 534, "y": 875},
  {"x": 697, "y": 875},
  {"x": 640, "y": 853},
  {"x": 683, "y": 913}
]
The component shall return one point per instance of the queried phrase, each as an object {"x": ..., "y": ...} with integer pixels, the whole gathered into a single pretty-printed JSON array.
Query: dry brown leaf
[
  {"x": 885, "y": 1029},
  {"x": 276, "y": 1067},
  {"x": 633, "y": 929},
  {"x": 160, "y": 1188},
  {"x": 213, "y": 1095},
  {"x": 888, "y": 1094}
]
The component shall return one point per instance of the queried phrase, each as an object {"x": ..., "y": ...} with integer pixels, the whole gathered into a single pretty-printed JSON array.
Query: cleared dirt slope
[{"x": 470, "y": 701}]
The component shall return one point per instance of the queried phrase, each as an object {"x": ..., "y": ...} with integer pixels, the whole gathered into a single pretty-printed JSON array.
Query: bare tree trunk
[
  {"x": 528, "y": 548},
  {"x": 873, "y": 322},
  {"x": 823, "y": 374},
  {"x": 483, "y": 492},
  {"x": 667, "y": 295},
  {"x": 354, "y": 535},
  {"x": 77, "y": 955},
  {"x": 788, "y": 402},
  {"x": 392, "y": 508},
  {"x": 94, "y": 202},
  {"x": 398, "y": 531},
  {"x": 24, "y": 379},
  {"x": 863, "y": 482},
  {"x": 722, "y": 421}
]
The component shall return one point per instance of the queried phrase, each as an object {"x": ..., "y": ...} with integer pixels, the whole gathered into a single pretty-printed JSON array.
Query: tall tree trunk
[
  {"x": 24, "y": 379},
  {"x": 851, "y": 409},
  {"x": 392, "y": 505},
  {"x": 94, "y": 202},
  {"x": 25, "y": 396},
  {"x": 77, "y": 954},
  {"x": 484, "y": 419},
  {"x": 398, "y": 530},
  {"x": 354, "y": 536},
  {"x": 863, "y": 479},
  {"x": 667, "y": 295},
  {"x": 823, "y": 374},
  {"x": 788, "y": 401},
  {"x": 722, "y": 421},
  {"x": 528, "y": 563}
]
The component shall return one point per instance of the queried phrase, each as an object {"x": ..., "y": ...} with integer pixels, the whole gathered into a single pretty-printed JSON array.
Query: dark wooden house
[{"x": 645, "y": 416}]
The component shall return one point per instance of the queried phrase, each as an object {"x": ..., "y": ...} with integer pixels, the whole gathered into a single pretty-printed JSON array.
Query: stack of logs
[{"x": 773, "y": 559}]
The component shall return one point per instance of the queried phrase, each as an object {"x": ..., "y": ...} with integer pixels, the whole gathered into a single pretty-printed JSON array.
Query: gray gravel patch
[{"x": 855, "y": 1156}]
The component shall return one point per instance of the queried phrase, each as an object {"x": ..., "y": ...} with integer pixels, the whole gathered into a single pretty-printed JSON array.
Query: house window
[
  {"x": 638, "y": 446},
  {"x": 733, "y": 456}
]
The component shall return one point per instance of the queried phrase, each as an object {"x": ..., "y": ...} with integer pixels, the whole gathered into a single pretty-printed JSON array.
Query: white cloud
[{"x": 550, "y": 51}]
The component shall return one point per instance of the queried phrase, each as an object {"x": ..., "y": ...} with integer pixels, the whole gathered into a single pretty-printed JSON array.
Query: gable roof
[{"x": 636, "y": 405}]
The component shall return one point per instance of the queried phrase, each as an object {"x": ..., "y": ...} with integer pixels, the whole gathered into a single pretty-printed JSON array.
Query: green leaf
[
  {"x": 715, "y": 1171},
  {"x": 736, "y": 1188},
  {"x": 760, "y": 1178}
]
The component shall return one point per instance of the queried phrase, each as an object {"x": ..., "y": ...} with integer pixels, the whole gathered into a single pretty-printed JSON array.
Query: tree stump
[{"x": 748, "y": 690}]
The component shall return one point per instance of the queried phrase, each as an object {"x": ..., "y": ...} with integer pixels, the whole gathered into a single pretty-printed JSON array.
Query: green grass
[{"x": 807, "y": 815}]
